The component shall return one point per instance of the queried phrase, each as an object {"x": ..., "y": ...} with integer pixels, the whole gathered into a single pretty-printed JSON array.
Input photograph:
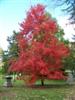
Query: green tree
[
  {"x": 11, "y": 53},
  {"x": 5, "y": 60},
  {"x": 13, "y": 46},
  {"x": 60, "y": 35},
  {"x": 1, "y": 63},
  {"x": 69, "y": 63}
]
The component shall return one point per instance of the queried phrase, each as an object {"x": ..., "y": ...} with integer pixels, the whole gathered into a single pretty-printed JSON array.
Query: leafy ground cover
[{"x": 53, "y": 90}]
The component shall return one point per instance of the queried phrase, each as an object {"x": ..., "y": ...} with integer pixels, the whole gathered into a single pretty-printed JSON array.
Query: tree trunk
[{"x": 42, "y": 82}]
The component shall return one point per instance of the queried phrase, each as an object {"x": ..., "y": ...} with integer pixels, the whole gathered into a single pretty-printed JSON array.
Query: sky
[{"x": 13, "y": 12}]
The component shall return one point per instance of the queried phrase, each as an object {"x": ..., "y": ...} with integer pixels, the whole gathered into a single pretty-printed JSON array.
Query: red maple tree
[{"x": 40, "y": 52}]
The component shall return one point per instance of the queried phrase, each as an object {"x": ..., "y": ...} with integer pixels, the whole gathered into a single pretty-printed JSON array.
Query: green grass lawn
[{"x": 53, "y": 90}]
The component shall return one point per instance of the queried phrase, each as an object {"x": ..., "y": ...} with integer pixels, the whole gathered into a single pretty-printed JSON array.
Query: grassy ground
[{"x": 53, "y": 90}]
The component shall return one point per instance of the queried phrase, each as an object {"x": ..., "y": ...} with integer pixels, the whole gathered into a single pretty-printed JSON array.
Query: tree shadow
[{"x": 48, "y": 86}]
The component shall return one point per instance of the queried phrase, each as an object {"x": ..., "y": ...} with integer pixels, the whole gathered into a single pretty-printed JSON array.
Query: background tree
[
  {"x": 1, "y": 53},
  {"x": 60, "y": 36},
  {"x": 11, "y": 53},
  {"x": 69, "y": 63},
  {"x": 40, "y": 52},
  {"x": 69, "y": 7},
  {"x": 13, "y": 47},
  {"x": 5, "y": 59}
]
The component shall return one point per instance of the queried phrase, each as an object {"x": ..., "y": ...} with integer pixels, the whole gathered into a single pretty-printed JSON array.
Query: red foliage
[{"x": 40, "y": 52}]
